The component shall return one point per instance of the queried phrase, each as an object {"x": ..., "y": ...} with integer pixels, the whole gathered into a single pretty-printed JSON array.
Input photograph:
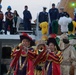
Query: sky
[{"x": 34, "y": 6}]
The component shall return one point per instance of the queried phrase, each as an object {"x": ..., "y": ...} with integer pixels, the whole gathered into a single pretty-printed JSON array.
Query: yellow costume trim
[
  {"x": 23, "y": 55},
  {"x": 59, "y": 54},
  {"x": 53, "y": 57},
  {"x": 74, "y": 26},
  {"x": 47, "y": 67},
  {"x": 44, "y": 27}
]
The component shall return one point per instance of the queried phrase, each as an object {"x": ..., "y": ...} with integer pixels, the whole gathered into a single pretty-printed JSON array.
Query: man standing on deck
[{"x": 27, "y": 19}]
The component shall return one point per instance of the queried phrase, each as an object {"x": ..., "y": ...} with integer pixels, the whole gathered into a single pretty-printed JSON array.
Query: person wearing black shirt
[
  {"x": 63, "y": 13},
  {"x": 43, "y": 16},
  {"x": 27, "y": 17},
  {"x": 53, "y": 13}
]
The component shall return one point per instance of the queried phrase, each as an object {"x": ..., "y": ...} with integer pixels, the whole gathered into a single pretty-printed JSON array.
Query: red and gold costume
[
  {"x": 19, "y": 56},
  {"x": 31, "y": 57},
  {"x": 22, "y": 63},
  {"x": 54, "y": 58},
  {"x": 21, "y": 59},
  {"x": 53, "y": 63},
  {"x": 40, "y": 60}
]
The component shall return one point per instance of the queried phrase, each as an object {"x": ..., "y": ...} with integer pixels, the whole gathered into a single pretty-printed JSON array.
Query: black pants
[{"x": 3, "y": 69}]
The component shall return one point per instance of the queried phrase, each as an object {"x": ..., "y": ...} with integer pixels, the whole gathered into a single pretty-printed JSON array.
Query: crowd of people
[
  {"x": 53, "y": 15},
  {"x": 57, "y": 19},
  {"x": 12, "y": 19},
  {"x": 43, "y": 57}
]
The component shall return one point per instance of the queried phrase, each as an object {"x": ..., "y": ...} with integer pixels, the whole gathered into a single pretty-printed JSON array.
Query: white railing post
[
  {"x": 37, "y": 27},
  {"x": 49, "y": 22}
]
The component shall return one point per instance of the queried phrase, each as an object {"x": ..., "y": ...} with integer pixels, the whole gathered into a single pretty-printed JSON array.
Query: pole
[
  {"x": 49, "y": 24},
  {"x": 37, "y": 27}
]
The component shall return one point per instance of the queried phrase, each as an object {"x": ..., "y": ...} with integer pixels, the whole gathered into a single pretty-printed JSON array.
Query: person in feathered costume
[
  {"x": 44, "y": 27},
  {"x": 74, "y": 25},
  {"x": 55, "y": 27},
  {"x": 70, "y": 28},
  {"x": 63, "y": 22}
]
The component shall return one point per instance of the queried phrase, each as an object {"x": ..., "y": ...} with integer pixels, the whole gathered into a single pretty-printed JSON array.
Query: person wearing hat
[
  {"x": 53, "y": 13},
  {"x": 65, "y": 24},
  {"x": 9, "y": 20},
  {"x": 56, "y": 37},
  {"x": 43, "y": 16},
  {"x": 54, "y": 58},
  {"x": 63, "y": 13},
  {"x": 61, "y": 43},
  {"x": 20, "y": 60},
  {"x": 68, "y": 52},
  {"x": 1, "y": 18}
]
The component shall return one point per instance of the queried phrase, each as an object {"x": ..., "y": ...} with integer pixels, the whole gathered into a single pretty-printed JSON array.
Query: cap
[
  {"x": 26, "y": 36},
  {"x": 53, "y": 4},
  {"x": 53, "y": 40},
  {"x": 63, "y": 36},
  {"x": 53, "y": 35},
  {"x": 39, "y": 42},
  {"x": 9, "y": 7},
  {"x": 61, "y": 8}
]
